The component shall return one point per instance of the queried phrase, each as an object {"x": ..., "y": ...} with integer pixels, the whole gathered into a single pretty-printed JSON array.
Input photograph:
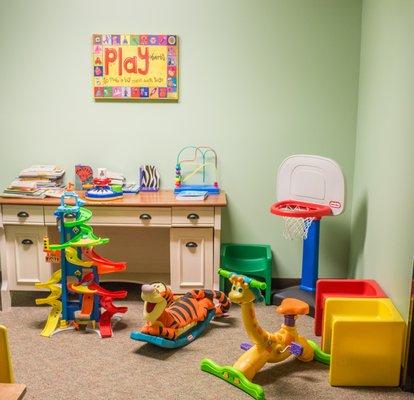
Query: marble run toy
[
  {"x": 76, "y": 298},
  {"x": 174, "y": 321},
  {"x": 267, "y": 346},
  {"x": 202, "y": 160}
]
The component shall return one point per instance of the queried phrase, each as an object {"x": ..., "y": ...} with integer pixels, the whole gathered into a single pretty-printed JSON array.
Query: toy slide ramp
[
  {"x": 52, "y": 300},
  {"x": 181, "y": 341},
  {"x": 71, "y": 255},
  {"x": 111, "y": 309},
  {"x": 84, "y": 216},
  {"x": 86, "y": 237},
  {"x": 105, "y": 326},
  {"x": 104, "y": 265}
]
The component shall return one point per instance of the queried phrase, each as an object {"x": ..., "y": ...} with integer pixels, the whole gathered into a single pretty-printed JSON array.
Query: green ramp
[{"x": 234, "y": 377}]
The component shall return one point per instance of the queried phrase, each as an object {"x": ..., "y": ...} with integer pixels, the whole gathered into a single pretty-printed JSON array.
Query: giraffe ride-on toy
[{"x": 267, "y": 346}]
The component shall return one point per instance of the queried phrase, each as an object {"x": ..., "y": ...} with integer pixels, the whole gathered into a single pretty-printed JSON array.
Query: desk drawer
[
  {"x": 23, "y": 215},
  {"x": 137, "y": 216},
  {"x": 130, "y": 216},
  {"x": 50, "y": 218},
  {"x": 193, "y": 216}
]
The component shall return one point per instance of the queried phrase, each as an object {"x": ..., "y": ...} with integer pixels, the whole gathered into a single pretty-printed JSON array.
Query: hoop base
[{"x": 297, "y": 293}]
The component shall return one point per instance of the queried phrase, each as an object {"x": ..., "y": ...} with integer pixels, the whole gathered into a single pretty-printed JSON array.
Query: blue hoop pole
[{"x": 310, "y": 258}]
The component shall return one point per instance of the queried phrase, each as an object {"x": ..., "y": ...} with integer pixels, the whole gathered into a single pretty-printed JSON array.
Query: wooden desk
[
  {"x": 183, "y": 249},
  {"x": 12, "y": 391}
]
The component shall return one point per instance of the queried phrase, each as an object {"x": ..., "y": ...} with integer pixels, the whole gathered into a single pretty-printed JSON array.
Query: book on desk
[{"x": 191, "y": 195}]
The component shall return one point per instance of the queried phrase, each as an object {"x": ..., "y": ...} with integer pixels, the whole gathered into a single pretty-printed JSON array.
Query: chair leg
[
  {"x": 268, "y": 291},
  {"x": 221, "y": 284}
]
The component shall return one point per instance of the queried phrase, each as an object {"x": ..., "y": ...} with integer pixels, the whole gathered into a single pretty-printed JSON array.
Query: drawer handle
[
  {"x": 27, "y": 242},
  {"x": 145, "y": 217},
  {"x": 191, "y": 245},
  {"x": 193, "y": 217},
  {"x": 22, "y": 214}
]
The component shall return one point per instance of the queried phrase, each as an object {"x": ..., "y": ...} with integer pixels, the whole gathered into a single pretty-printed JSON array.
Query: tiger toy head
[{"x": 156, "y": 297}]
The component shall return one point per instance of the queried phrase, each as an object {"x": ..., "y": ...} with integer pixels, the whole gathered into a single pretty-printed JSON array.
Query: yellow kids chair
[{"x": 6, "y": 369}]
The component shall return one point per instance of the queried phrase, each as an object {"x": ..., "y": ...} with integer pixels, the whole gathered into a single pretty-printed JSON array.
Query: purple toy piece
[
  {"x": 245, "y": 346},
  {"x": 296, "y": 349}
]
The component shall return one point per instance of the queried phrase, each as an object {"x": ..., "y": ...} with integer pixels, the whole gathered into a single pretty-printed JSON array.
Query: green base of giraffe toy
[
  {"x": 233, "y": 376},
  {"x": 318, "y": 354}
]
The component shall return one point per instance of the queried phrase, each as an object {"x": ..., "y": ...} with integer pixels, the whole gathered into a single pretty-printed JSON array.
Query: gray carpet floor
[{"x": 80, "y": 366}]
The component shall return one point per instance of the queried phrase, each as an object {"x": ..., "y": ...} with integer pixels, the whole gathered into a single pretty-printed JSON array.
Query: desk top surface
[
  {"x": 12, "y": 391},
  {"x": 162, "y": 198}
]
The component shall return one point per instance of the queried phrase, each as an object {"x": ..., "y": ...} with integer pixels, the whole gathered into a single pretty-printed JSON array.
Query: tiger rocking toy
[{"x": 174, "y": 321}]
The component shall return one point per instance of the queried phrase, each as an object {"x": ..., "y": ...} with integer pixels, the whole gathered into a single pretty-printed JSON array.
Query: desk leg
[
  {"x": 5, "y": 290},
  {"x": 217, "y": 243}
]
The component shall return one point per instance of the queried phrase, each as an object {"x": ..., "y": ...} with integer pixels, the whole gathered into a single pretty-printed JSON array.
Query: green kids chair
[{"x": 253, "y": 260}]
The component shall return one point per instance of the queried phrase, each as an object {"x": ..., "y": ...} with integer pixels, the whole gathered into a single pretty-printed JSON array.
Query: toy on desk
[
  {"x": 173, "y": 321},
  {"x": 102, "y": 190},
  {"x": 308, "y": 188},
  {"x": 267, "y": 346},
  {"x": 79, "y": 275},
  {"x": 149, "y": 178},
  {"x": 202, "y": 164},
  {"x": 83, "y": 177}
]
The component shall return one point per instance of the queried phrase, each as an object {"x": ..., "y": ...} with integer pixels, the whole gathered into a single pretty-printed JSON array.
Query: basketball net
[{"x": 296, "y": 227}]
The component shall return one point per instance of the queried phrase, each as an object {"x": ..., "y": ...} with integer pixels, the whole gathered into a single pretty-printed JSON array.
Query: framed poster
[{"x": 129, "y": 66}]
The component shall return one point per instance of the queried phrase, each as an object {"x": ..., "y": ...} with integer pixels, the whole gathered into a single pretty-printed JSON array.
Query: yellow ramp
[
  {"x": 6, "y": 369},
  {"x": 53, "y": 300},
  {"x": 72, "y": 256}
]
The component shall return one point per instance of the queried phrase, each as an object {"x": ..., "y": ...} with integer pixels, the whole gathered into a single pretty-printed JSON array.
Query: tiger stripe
[
  {"x": 179, "y": 309},
  {"x": 180, "y": 317},
  {"x": 193, "y": 307},
  {"x": 189, "y": 309}
]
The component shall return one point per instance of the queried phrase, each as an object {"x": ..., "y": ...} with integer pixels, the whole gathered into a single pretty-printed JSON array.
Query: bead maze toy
[
  {"x": 202, "y": 160},
  {"x": 174, "y": 321},
  {"x": 267, "y": 346},
  {"x": 76, "y": 298},
  {"x": 308, "y": 189}
]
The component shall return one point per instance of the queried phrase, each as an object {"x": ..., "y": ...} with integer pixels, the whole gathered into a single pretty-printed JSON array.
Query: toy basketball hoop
[
  {"x": 298, "y": 216},
  {"x": 308, "y": 188}
]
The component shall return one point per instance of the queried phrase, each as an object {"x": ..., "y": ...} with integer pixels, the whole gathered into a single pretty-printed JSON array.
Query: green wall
[
  {"x": 259, "y": 81},
  {"x": 383, "y": 200}
]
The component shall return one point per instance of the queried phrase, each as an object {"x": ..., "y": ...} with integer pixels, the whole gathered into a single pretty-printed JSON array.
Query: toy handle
[
  {"x": 253, "y": 282},
  {"x": 224, "y": 273}
]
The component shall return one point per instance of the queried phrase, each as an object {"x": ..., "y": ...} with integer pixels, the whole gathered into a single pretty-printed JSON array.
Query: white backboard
[{"x": 311, "y": 179}]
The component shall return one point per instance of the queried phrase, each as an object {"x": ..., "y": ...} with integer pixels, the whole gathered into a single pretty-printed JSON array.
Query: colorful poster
[{"x": 128, "y": 66}]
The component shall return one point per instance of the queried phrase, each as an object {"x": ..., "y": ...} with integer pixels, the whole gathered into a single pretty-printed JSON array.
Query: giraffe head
[{"x": 241, "y": 291}]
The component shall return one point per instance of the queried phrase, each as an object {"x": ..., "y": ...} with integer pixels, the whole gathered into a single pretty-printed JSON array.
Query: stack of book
[{"x": 35, "y": 182}]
